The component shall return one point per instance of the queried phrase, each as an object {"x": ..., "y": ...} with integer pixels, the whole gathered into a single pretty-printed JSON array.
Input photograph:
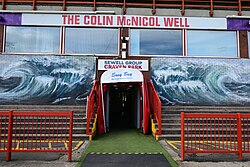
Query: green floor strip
[{"x": 125, "y": 142}]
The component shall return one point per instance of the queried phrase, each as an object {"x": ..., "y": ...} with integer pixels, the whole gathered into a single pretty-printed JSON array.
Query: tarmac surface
[
  {"x": 56, "y": 159},
  {"x": 125, "y": 160}
]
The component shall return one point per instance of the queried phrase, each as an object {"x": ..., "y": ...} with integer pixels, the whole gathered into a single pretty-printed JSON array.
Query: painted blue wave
[
  {"x": 201, "y": 81},
  {"x": 45, "y": 79}
]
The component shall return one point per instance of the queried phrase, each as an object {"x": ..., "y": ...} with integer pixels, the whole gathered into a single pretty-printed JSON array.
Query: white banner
[
  {"x": 121, "y": 75},
  {"x": 124, "y": 21},
  {"x": 107, "y": 64}
]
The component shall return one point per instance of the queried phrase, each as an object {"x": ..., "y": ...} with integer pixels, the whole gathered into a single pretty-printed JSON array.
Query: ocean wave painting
[
  {"x": 202, "y": 81},
  {"x": 42, "y": 80}
]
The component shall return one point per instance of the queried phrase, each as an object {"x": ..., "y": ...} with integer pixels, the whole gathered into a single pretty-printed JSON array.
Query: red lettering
[
  {"x": 71, "y": 19},
  {"x": 151, "y": 21},
  {"x": 86, "y": 19},
  {"x": 176, "y": 22},
  {"x": 186, "y": 23},
  {"x": 135, "y": 21},
  {"x": 93, "y": 20},
  {"x": 64, "y": 18},
  {"x": 168, "y": 22},
  {"x": 128, "y": 22},
  {"x": 99, "y": 20},
  {"x": 157, "y": 22},
  {"x": 144, "y": 21},
  {"x": 77, "y": 19},
  {"x": 121, "y": 20},
  {"x": 181, "y": 23},
  {"x": 109, "y": 20}
]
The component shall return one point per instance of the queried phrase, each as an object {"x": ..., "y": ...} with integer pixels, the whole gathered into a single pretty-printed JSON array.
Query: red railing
[
  {"x": 36, "y": 132},
  {"x": 5, "y": 136},
  {"x": 215, "y": 133},
  {"x": 155, "y": 104},
  {"x": 91, "y": 104},
  {"x": 211, "y": 5}
]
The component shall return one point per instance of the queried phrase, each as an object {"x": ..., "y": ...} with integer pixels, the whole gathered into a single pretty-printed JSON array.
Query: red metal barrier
[
  {"x": 36, "y": 132},
  {"x": 91, "y": 104},
  {"x": 245, "y": 122},
  {"x": 215, "y": 133},
  {"x": 4, "y": 136},
  {"x": 155, "y": 104}
]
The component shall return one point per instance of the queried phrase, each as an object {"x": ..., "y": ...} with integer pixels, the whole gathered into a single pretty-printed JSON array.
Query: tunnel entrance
[{"x": 123, "y": 101}]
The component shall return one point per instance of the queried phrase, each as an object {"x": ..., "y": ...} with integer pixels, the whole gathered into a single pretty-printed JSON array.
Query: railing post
[
  {"x": 70, "y": 136},
  {"x": 211, "y": 13},
  {"x": 10, "y": 127},
  {"x": 3, "y": 5},
  {"x": 239, "y": 8},
  {"x": 34, "y": 5},
  {"x": 124, "y": 7},
  {"x": 154, "y": 8},
  {"x": 183, "y": 8},
  {"x": 182, "y": 137},
  {"x": 88, "y": 115},
  {"x": 159, "y": 117},
  {"x": 64, "y": 5},
  {"x": 94, "y": 6},
  {"x": 239, "y": 133}
]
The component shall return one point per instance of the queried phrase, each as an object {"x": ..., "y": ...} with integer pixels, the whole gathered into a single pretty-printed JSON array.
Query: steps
[
  {"x": 171, "y": 117},
  {"x": 79, "y": 124}
]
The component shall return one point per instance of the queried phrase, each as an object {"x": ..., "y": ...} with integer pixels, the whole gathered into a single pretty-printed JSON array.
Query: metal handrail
[
  {"x": 238, "y": 5},
  {"x": 90, "y": 110},
  {"x": 155, "y": 104}
]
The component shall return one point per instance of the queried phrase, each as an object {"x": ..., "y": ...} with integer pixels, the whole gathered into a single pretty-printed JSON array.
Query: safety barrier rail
[
  {"x": 91, "y": 104},
  {"x": 211, "y": 5},
  {"x": 35, "y": 131},
  {"x": 155, "y": 104},
  {"x": 215, "y": 133}
]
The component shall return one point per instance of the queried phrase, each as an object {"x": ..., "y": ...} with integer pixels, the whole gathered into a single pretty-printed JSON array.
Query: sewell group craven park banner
[{"x": 85, "y": 20}]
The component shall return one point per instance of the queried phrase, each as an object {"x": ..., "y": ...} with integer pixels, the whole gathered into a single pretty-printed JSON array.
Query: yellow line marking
[
  {"x": 178, "y": 141},
  {"x": 37, "y": 144},
  {"x": 193, "y": 147},
  {"x": 17, "y": 146},
  {"x": 78, "y": 145},
  {"x": 172, "y": 145},
  {"x": 208, "y": 143},
  {"x": 65, "y": 145},
  {"x": 50, "y": 145}
]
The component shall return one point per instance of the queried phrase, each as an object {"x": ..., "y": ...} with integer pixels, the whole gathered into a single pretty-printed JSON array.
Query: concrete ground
[
  {"x": 43, "y": 159},
  {"x": 58, "y": 159},
  {"x": 206, "y": 160}
]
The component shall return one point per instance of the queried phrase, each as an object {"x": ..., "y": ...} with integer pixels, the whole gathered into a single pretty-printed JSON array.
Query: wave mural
[
  {"x": 45, "y": 79},
  {"x": 202, "y": 81}
]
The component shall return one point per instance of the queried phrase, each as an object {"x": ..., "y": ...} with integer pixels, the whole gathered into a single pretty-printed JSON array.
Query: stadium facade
[{"x": 195, "y": 53}]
